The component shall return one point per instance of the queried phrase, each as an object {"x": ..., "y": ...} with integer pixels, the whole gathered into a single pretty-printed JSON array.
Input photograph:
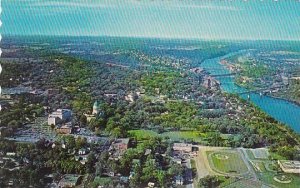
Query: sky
[{"x": 189, "y": 19}]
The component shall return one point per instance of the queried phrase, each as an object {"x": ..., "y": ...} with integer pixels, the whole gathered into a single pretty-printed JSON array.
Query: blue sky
[{"x": 196, "y": 19}]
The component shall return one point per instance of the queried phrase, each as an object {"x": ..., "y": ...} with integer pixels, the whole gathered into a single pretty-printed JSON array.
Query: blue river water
[{"x": 281, "y": 110}]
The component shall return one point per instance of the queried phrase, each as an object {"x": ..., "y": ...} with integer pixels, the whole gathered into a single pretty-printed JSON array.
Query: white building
[
  {"x": 59, "y": 116},
  {"x": 183, "y": 147}
]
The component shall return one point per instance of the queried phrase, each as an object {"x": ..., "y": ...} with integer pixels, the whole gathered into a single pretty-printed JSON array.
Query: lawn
[
  {"x": 244, "y": 183},
  {"x": 227, "y": 162},
  {"x": 261, "y": 153},
  {"x": 184, "y": 135},
  {"x": 250, "y": 154},
  {"x": 101, "y": 181},
  {"x": 268, "y": 178},
  {"x": 142, "y": 134},
  {"x": 173, "y": 135},
  {"x": 259, "y": 166}
]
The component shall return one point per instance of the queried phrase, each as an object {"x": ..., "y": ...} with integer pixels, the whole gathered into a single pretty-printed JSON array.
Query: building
[
  {"x": 289, "y": 166},
  {"x": 183, "y": 147},
  {"x": 89, "y": 117},
  {"x": 66, "y": 128},
  {"x": 120, "y": 144},
  {"x": 151, "y": 184},
  {"x": 59, "y": 116},
  {"x": 177, "y": 160},
  {"x": 131, "y": 97},
  {"x": 82, "y": 151},
  {"x": 96, "y": 108},
  {"x": 96, "y": 112},
  {"x": 118, "y": 148},
  {"x": 69, "y": 180},
  {"x": 179, "y": 180}
]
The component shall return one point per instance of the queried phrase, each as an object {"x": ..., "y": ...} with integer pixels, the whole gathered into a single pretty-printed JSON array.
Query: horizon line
[{"x": 147, "y": 37}]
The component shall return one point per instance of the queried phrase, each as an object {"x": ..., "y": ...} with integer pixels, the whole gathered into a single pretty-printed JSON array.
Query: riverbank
[{"x": 284, "y": 111}]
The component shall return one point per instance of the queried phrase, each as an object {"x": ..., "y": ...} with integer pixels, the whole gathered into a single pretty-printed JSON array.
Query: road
[
  {"x": 246, "y": 160},
  {"x": 189, "y": 174}
]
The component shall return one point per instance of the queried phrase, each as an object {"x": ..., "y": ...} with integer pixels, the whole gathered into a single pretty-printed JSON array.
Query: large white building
[
  {"x": 60, "y": 115},
  {"x": 183, "y": 147}
]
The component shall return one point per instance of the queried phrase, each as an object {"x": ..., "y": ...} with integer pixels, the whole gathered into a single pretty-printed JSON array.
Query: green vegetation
[
  {"x": 101, "y": 181},
  {"x": 268, "y": 177},
  {"x": 141, "y": 134},
  {"x": 291, "y": 93},
  {"x": 208, "y": 182},
  {"x": 168, "y": 105},
  {"x": 227, "y": 162}
]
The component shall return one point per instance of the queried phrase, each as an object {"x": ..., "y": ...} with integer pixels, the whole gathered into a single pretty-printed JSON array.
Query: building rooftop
[
  {"x": 122, "y": 140},
  {"x": 182, "y": 145},
  {"x": 70, "y": 179}
]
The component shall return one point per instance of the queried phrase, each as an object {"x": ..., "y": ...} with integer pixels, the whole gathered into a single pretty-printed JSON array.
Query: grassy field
[
  {"x": 184, "y": 135},
  {"x": 142, "y": 134},
  {"x": 100, "y": 181},
  {"x": 227, "y": 162},
  {"x": 173, "y": 135},
  {"x": 267, "y": 178},
  {"x": 243, "y": 183},
  {"x": 259, "y": 166}
]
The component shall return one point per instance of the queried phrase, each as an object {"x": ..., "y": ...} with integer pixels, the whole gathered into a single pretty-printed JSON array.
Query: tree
[
  {"x": 90, "y": 163},
  {"x": 208, "y": 182},
  {"x": 149, "y": 169},
  {"x": 99, "y": 168},
  {"x": 161, "y": 177},
  {"x": 80, "y": 142},
  {"x": 116, "y": 132},
  {"x": 135, "y": 179},
  {"x": 175, "y": 170}
]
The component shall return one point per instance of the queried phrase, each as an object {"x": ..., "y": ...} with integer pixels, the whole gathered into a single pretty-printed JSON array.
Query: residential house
[
  {"x": 179, "y": 180},
  {"x": 69, "y": 180}
]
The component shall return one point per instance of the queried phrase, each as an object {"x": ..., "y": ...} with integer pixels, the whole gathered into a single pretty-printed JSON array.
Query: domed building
[
  {"x": 96, "y": 108},
  {"x": 96, "y": 112}
]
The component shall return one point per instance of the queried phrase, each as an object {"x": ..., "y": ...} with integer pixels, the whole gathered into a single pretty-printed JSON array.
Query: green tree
[{"x": 208, "y": 182}]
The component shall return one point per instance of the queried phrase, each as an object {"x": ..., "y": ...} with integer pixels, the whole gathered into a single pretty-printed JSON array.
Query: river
[{"x": 281, "y": 110}]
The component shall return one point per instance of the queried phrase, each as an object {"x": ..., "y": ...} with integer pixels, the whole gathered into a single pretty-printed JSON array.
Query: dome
[
  {"x": 96, "y": 104},
  {"x": 96, "y": 108}
]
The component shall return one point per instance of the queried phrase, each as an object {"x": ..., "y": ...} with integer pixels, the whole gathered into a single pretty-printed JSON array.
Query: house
[
  {"x": 151, "y": 184},
  {"x": 11, "y": 154},
  {"x": 183, "y": 147},
  {"x": 179, "y": 180},
  {"x": 120, "y": 144},
  {"x": 69, "y": 180},
  {"x": 118, "y": 148},
  {"x": 177, "y": 160},
  {"x": 89, "y": 117},
  {"x": 82, "y": 151},
  {"x": 59, "y": 116},
  {"x": 81, "y": 158},
  {"x": 148, "y": 152},
  {"x": 124, "y": 179},
  {"x": 131, "y": 97}
]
